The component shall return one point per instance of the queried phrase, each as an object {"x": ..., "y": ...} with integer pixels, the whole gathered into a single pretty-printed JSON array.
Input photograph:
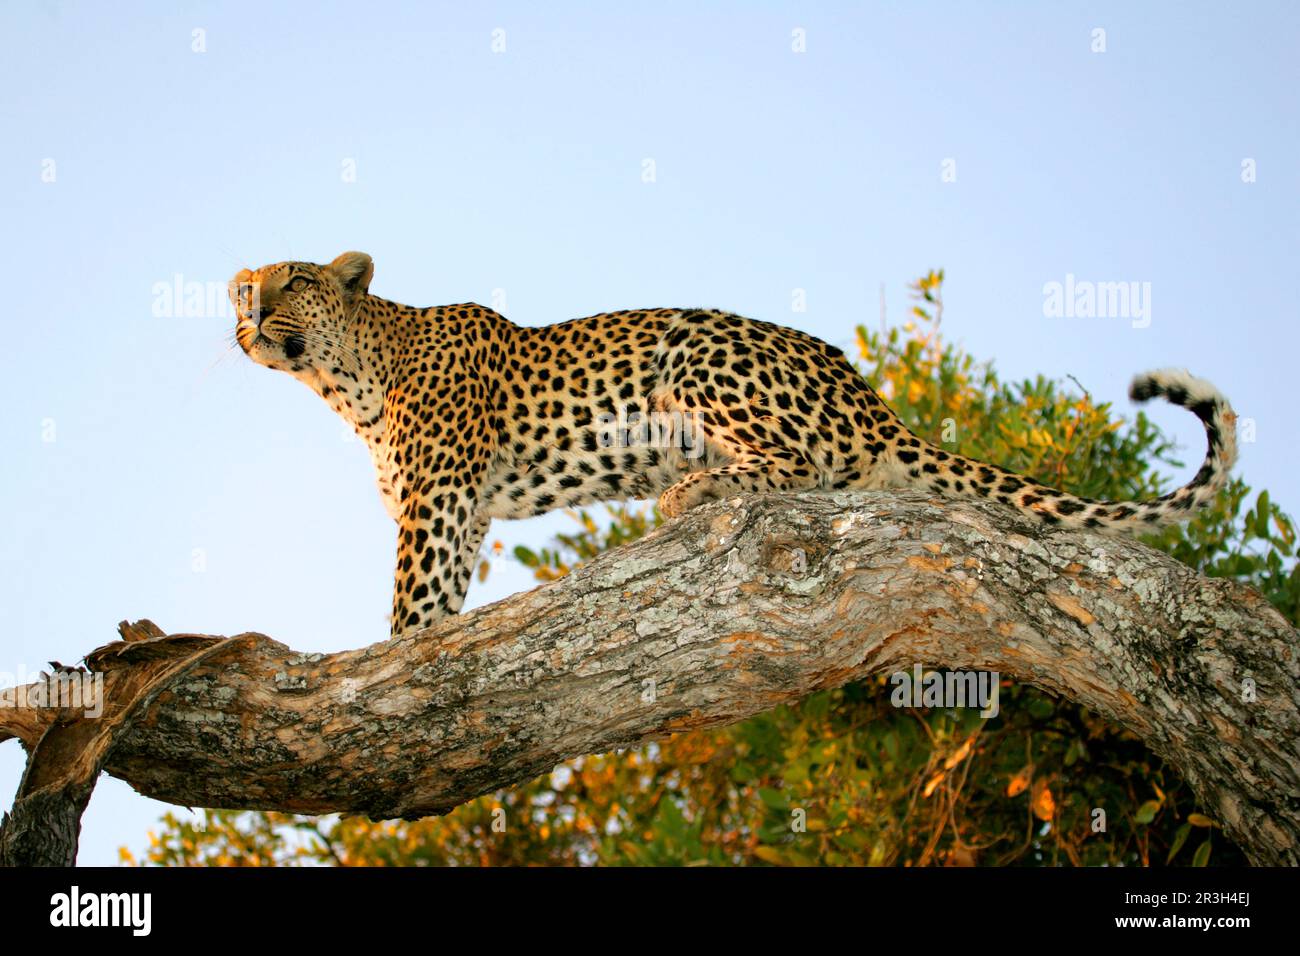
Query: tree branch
[{"x": 735, "y": 608}]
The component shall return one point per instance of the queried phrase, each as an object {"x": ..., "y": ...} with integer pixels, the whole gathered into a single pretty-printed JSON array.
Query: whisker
[
  {"x": 342, "y": 356},
  {"x": 222, "y": 356}
]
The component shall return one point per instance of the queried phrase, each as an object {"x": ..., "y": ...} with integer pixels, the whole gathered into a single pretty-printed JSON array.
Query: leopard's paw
[{"x": 672, "y": 502}]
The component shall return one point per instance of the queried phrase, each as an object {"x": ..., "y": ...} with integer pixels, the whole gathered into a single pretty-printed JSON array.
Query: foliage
[{"x": 844, "y": 777}]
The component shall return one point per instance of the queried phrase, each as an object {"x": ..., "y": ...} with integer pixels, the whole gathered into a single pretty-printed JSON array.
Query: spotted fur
[{"x": 470, "y": 417}]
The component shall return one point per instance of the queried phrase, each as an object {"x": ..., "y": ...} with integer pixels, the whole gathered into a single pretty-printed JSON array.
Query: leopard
[{"x": 469, "y": 417}]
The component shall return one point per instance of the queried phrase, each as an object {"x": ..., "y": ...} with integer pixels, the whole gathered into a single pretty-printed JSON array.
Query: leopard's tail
[{"x": 955, "y": 474}]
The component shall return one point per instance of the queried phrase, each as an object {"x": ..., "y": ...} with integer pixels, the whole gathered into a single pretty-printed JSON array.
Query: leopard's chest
[{"x": 388, "y": 477}]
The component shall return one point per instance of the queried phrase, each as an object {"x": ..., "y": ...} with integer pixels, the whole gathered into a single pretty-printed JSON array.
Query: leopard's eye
[{"x": 299, "y": 284}]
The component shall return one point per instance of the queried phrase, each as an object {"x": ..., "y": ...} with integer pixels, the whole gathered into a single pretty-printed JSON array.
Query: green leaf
[
  {"x": 1202, "y": 857},
  {"x": 1147, "y": 812},
  {"x": 1179, "y": 839},
  {"x": 1075, "y": 753},
  {"x": 1261, "y": 515}
]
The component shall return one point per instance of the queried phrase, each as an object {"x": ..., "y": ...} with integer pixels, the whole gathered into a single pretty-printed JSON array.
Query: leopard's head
[{"x": 298, "y": 316}]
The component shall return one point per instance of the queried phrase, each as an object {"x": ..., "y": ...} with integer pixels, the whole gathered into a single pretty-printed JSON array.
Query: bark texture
[
  {"x": 44, "y": 826},
  {"x": 729, "y": 611}
]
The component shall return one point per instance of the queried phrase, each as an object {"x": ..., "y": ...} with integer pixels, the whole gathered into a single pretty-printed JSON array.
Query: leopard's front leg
[{"x": 438, "y": 537}]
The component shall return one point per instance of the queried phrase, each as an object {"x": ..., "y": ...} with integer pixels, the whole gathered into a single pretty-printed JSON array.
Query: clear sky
[{"x": 151, "y": 472}]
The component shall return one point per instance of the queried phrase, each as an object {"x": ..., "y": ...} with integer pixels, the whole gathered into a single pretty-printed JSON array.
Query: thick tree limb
[{"x": 727, "y": 612}]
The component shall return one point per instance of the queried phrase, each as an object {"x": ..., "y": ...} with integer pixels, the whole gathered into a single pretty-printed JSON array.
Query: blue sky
[{"x": 150, "y": 471}]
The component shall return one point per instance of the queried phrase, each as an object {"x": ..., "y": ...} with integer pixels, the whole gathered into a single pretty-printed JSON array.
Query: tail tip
[
  {"x": 1143, "y": 388},
  {"x": 1175, "y": 385}
]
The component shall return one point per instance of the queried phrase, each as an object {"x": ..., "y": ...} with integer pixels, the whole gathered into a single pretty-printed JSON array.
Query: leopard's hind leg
[
  {"x": 750, "y": 474},
  {"x": 754, "y": 467},
  {"x": 706, "y": 375}
]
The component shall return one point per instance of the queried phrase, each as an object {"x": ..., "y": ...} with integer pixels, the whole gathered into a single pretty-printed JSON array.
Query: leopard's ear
[{"x": 353, "y": 271}]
